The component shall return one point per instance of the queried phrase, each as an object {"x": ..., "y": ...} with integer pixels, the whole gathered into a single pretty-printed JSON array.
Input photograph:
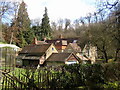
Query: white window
[{"x": 71, "y": 62}]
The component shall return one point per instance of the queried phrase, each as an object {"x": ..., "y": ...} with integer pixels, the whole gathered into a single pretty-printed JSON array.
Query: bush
[{"x": 80, "y": 75}]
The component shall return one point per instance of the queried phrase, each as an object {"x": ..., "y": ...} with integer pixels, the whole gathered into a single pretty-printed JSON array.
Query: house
[
  {"x": 90, "y": 52},
  {"x": 73, "y": 47},
  {"x": 55, "y": 51},
  {"x": 61, "y": 43},
  {"x": 35, "y": 54},
  {"x": 84, "y": 59},
  {"x": 62, "y": 58}
]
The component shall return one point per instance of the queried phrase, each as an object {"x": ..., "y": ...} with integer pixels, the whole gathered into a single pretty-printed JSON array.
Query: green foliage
[
  {"x": 91, "y": 75},
  {"x": 22, "y": 22},
  {"x": 28, "y": 35},
  {"x": 88, "y": 76},
  {"x": 77, "y": 75},
  {"x": 21, "y": 39},
  {"x": 37, "y": 32},
  {"x": 45, "y": 26},
  {"x": 2, "y": 42},
  {"x": 112, "y": 85},
  {"x": 111, "y": 71}
]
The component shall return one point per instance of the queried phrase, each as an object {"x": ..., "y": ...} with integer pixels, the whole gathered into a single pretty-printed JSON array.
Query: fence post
[{"x": 0, "y": 67}]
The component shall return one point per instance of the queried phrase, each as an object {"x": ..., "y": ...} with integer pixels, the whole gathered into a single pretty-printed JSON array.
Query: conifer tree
[
  {"x": 45, "y": 26},
  {"x": 25, "y": 33}
]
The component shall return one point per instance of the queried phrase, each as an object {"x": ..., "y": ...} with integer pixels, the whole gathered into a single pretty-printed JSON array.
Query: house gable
[
  {"x": 73, "y": 47},
  {"x": 90, "y": 52},
  {"x": 66, "y": 58},
  {"x": 50, "y": 50},
  {"x": 72, "y": 59},
  {"x": 60, "y": 57}
]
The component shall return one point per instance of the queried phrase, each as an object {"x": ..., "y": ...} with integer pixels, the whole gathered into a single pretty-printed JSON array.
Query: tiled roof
[
  {"x": 69, "y": 40},
  {"x": 57, "y": 42},
  {"x": 31, "y": 49},
  {"x": 28, "y": 57},
  {"x": 59, "y": 57},
  {"x": 83, "y": 58},
  {"x": 75, "y": 47},
  {"x": 41, "y": 42}
]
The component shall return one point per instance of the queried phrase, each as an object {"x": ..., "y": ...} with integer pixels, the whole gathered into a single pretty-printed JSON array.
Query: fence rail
[{"x": 28, "y": 79}]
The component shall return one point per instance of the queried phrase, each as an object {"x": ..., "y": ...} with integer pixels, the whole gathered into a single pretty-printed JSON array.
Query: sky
[{"x": 59, "y": 9}]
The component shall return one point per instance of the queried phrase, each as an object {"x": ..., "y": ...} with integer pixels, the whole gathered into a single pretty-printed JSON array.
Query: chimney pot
[{"x": 60, "y": 36}]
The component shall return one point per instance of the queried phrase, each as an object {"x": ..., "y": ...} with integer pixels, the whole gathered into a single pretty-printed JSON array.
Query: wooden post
[{"x": 0, "y": 67}]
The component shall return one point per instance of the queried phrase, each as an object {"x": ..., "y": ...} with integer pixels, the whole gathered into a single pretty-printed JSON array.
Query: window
[
  {"x": 74, "y": 41},
  {"x": 70, "y": 62},
  {"x": 52, "y": 49}
]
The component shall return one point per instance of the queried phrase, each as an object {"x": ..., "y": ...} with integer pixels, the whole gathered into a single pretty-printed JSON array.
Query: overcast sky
[{"x": 71, "y": 9}]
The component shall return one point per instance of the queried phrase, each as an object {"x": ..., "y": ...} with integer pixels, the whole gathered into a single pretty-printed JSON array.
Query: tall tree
[
  {"x": 37, "y": 32},
  {"x": 23, "y": 19},
  {"x": 36, "y": 28},
  {"x": 45, "y": 26},
  {"x": 22, "y": 22},
  {"x": 105, "y": 32}
]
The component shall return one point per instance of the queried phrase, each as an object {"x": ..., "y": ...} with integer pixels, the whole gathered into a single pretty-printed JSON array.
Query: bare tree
[
  {"x": 8, "y": 11},
  {"x": 67, "y": 23},
  {"x": 88, "y": 18},
  {"x": 60, "y": 24},
  {"x": 54, "y": 26}
]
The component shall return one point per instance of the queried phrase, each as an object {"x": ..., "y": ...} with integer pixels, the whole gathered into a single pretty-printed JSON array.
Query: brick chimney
[
  {"x": 45, "y": 39},
  {"x": 35, "y": 41}
]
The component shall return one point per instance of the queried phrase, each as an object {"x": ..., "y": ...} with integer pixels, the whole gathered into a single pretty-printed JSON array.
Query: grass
[{"x": 2, "y": 42}]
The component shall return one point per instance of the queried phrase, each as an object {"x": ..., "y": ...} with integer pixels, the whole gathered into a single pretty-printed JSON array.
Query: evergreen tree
[
  {"x": 45, "y": 26},
  {"x": 23, "y": 19},
  {"x": 37, "y": 32},
  {"x": 25, "y": 33}
]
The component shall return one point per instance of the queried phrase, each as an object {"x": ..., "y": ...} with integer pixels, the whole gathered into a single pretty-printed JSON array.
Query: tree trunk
[
  {"x": 116, "y": 54},
  {"x": 105, "y": 56},
  {"x": 11, "y": 38}
]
